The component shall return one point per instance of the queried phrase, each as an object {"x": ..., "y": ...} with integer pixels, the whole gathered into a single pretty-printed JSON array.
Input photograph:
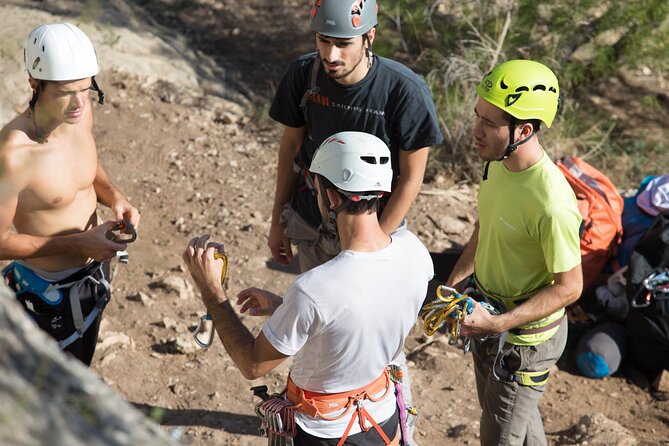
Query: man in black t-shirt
[{"x": 342, "y": 87}]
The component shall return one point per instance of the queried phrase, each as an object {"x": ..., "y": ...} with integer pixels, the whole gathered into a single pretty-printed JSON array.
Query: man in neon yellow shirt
[{"x": 524, "y": 253}]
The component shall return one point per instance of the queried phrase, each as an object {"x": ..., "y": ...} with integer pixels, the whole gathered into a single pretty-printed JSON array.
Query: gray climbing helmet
[{"x": 343, "y": 19}]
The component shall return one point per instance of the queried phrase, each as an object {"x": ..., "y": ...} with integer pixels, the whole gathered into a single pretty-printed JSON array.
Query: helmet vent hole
[
  {"x": 35, "y": 41},
  {"x": 42, "y": 48},
  {"x": 552, "y": 89},
  {"x": 539, "y": 87},
  {"x": 502, "y": 85},
  {"x": 368, "y": 159},
  {"x": 384, "y": 160},
  {"x": 522, "y": 89}
]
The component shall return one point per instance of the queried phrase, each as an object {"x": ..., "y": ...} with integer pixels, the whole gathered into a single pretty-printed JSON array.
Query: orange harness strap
[{"x": 316, "y": 404}]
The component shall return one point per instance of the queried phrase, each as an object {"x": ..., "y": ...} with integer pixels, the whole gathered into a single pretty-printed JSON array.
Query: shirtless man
[{"x": 49, "y": 159}]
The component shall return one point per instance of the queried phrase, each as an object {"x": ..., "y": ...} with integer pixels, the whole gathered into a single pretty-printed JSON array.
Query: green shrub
[{"x": 453, "y": 43}]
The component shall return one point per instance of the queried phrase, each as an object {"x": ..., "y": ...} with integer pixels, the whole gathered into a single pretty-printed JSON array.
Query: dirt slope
[{"x": 194, "y": 161}]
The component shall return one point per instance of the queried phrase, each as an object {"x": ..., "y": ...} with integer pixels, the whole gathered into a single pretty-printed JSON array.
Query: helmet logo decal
[
  {"x": 37, "y": 61},
  {"x": 511, "y": 99}
]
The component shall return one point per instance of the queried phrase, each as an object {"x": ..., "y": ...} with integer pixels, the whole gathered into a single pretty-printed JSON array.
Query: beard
[{"x": 344, "y": 73}]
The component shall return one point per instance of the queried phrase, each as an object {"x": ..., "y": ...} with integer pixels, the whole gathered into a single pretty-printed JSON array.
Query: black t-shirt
[{"x": 391, "y": 102}]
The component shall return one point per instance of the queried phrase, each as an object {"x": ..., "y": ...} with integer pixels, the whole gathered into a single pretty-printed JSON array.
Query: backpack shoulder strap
[{"x": 313, "y": 88}]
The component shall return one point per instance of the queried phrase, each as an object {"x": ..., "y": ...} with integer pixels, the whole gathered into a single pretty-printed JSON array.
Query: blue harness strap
[{"x": 28, "y": 281}]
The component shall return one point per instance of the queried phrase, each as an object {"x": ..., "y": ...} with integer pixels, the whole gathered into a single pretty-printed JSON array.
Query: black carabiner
[{"x": 121, "y": 232}]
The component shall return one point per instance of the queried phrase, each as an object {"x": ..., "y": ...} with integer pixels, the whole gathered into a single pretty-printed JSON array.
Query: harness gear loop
[
  {"x": 121, "y": 232},
  {"x": 524, "y": 378},
  {"x": 203, "y": 335}
]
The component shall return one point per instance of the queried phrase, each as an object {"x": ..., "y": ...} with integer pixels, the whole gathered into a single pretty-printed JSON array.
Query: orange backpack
[{"x": 601, "y": 207}]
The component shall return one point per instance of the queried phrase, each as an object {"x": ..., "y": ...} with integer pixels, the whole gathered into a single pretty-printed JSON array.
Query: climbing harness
[
  {"x": 655, "y": 286},
  {"x": 205, "y": 331},
  {"x": 121, "y": 232},
  {"x": 450, "y": 310},
  {"x": 25, "y": 282},
  {"x": 277, "y": 411}
]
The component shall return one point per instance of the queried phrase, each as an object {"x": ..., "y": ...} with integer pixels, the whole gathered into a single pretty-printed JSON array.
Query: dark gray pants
[{"x": 510, "y": 411}]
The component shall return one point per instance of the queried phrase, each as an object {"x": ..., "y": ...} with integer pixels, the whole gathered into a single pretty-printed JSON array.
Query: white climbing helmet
[
  {"x": 354, "y": 162},
  {"x": 59, "y": 52}
]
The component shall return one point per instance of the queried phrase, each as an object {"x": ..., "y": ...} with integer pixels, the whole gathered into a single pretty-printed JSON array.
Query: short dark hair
[
  {"x": 41, "y": 85},
  {"x": 536, "y": 123},
  {"x": 353, "y": 207}
]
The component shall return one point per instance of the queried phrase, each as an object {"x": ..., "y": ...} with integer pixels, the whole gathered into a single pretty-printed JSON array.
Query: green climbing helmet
[{"x": 523, "y": 88}]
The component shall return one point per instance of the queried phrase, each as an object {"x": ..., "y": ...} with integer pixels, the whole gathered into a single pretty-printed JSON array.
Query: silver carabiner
[{"x": 204, "y": 333}]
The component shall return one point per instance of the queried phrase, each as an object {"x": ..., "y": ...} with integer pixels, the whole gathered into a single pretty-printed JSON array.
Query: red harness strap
[{"x": 316, "y": 404}]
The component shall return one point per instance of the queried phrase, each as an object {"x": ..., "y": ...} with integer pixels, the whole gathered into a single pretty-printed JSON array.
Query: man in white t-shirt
[{"x": 343, "y": 321}]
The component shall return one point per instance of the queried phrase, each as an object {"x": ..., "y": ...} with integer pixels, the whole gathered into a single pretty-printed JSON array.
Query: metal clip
[{"x": 121, "y": 232}]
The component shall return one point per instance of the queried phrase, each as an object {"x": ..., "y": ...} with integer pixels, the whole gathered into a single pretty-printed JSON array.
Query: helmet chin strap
[
  {"x": 514, "y": 145},
  {"x": 95, "y": 87},
  {"x": 330, "y": 224}
]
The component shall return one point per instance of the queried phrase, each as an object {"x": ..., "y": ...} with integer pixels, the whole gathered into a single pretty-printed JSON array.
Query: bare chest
[{"x": 65, "y": 171}]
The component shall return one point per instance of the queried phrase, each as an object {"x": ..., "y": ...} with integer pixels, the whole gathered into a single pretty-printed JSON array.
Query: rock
[
  {"x": 661, "y": 383},
  {"x": 177, "y": 284},
  {"x": 185, "y": 344},
  {"x": 452, "y": 225},
  {"x": 598, "y": 430},
  {"x": 168, "y": 322},
  {"x": 75, "y": 407},
  {"x": 114, "y": 338},
  {"x": 141, "y": 297}
]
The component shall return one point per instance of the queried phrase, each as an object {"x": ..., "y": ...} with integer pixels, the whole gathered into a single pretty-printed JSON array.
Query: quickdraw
[
  {"x": 450, "y": 311},
  {"x": 205, "y": 331},
  {"x": 277, "y": 417}
]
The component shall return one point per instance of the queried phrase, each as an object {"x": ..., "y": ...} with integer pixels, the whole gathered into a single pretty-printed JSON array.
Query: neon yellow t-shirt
[{"x": 529, "y": 229}]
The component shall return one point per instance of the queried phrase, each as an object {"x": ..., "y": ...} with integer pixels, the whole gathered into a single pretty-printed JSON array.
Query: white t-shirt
[{"x": 346, "y": 320}]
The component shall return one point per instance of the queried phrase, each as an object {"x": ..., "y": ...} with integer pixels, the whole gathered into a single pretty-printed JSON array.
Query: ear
[
  {"x": 524, "y": 130},
  {"x": 370, "y": 35},
  {"x": 33, "y": 83},
  {"x": 334, "y": 197}
]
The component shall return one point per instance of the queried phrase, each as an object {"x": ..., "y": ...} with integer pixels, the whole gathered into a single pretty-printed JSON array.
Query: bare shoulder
[{"x": 18, "y": 152}]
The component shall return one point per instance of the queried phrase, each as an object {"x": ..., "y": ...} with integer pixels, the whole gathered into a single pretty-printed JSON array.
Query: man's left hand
[
  {"x": 205, "y": 269},
  {"x": 123, "y": 210}
]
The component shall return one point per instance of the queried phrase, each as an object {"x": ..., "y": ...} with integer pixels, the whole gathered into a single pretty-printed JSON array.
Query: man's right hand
[
  {"x": 95, "y": 245},
  {"x": 279, "y": 244}
]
